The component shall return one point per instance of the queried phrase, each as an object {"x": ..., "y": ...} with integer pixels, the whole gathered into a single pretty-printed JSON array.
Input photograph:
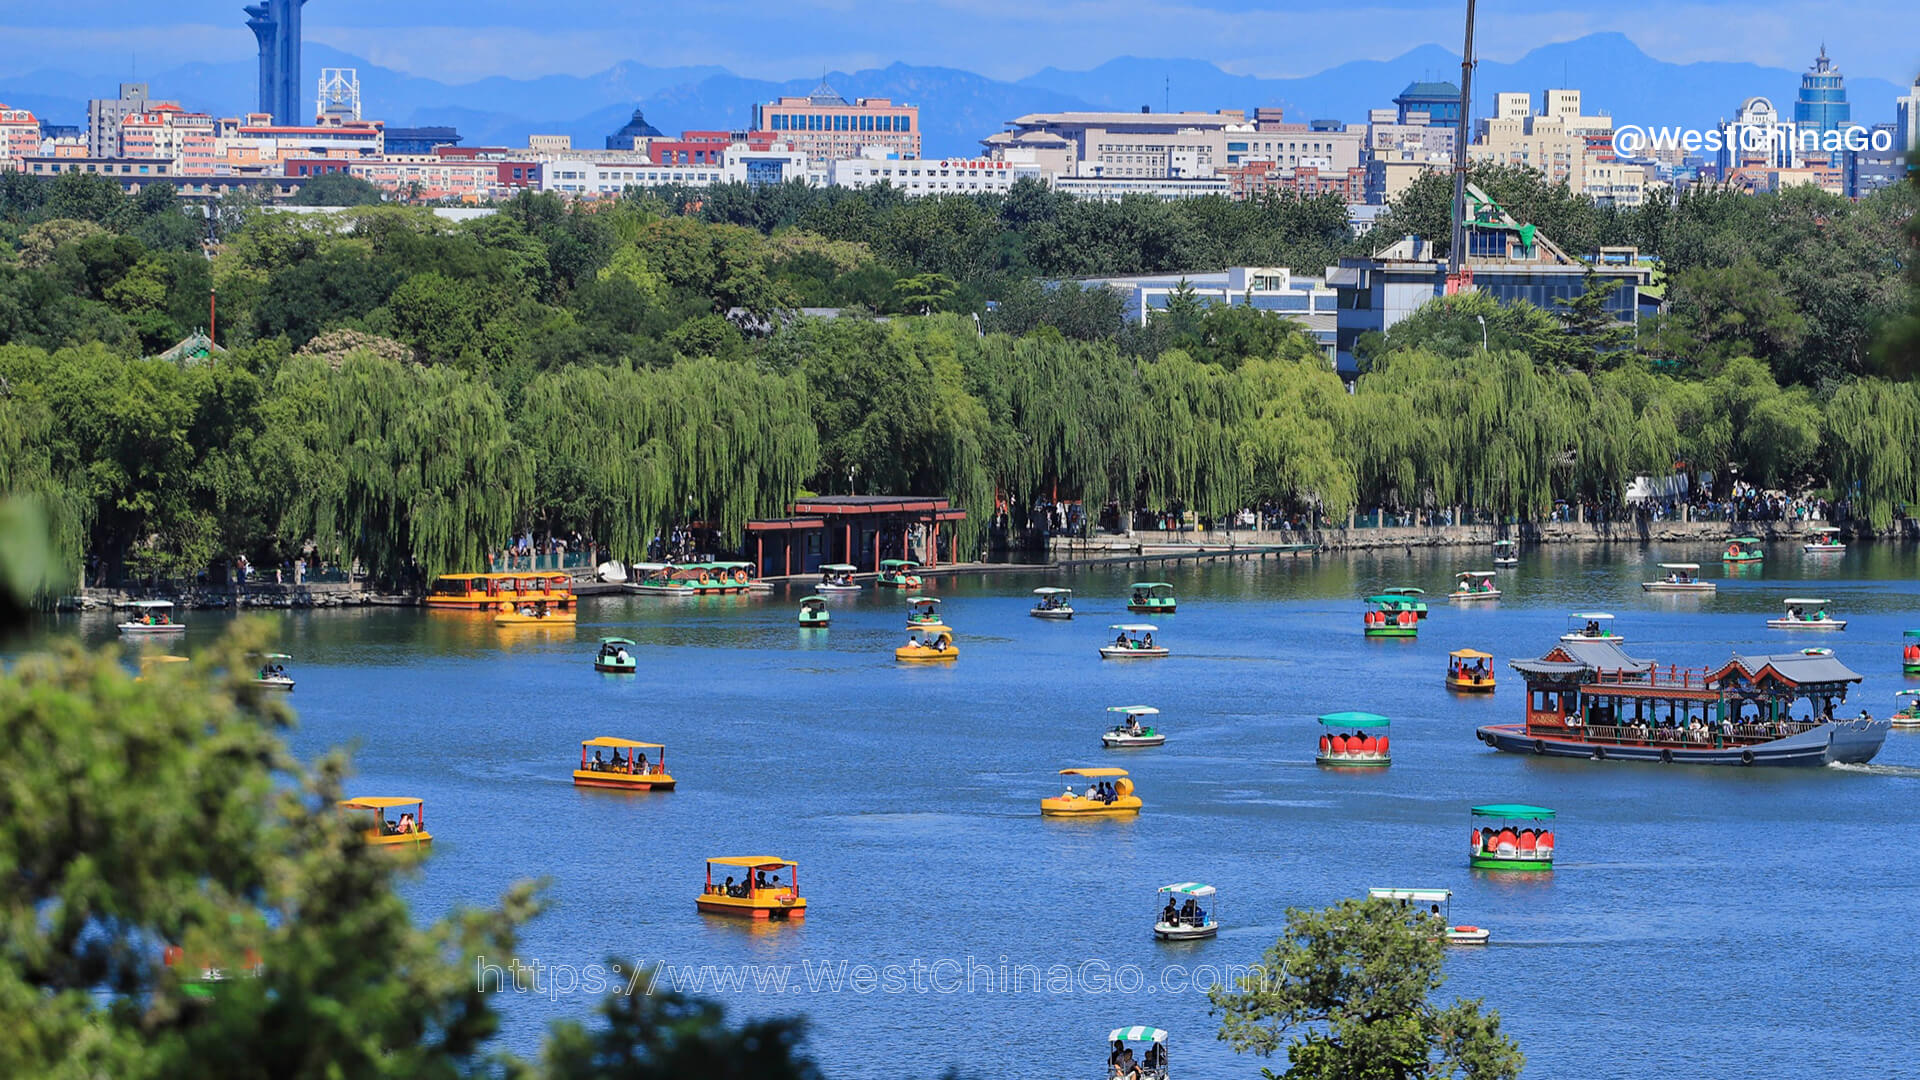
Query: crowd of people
[
  {"x": 1122, "y": 1065},
  {"x": 1189, "y": 913},
  {"x": 760, "y": 882},
  {"x": 1098, "y": 791},
  {"x": 635, "y": 762}
]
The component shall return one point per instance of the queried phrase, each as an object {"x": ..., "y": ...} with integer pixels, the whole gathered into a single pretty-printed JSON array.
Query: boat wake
[{"x": 1869, "y": 769}]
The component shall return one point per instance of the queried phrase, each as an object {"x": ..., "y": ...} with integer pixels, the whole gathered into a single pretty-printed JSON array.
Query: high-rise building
[
  {"x": 1438, "y": 101},
  {"x": 104, "y": 116},
  {"x": 1906, "y": 120},
  {"x": 827, "y": 127},
  {"x": 19, "y": 136},
  {"x": 276, "y": 25},
  {"x": 1822, "y": 104}
]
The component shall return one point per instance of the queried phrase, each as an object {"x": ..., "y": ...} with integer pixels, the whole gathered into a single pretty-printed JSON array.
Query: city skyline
[{"x": 1243, "y": 37}]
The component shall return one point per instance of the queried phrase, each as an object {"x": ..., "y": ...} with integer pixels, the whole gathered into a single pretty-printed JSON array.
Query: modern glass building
[
  {"x": 1822, "y": 104},
  {"x": 1439, "y": 100}
]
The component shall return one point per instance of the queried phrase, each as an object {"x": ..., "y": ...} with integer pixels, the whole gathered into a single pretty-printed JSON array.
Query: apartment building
[{"x": 1124, "y": 145}]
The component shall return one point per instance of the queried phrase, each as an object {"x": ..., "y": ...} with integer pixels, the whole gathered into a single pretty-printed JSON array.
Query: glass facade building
[{"x": 1822, "y": 104}]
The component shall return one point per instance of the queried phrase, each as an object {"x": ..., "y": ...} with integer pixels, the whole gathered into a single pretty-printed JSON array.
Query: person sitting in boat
[
  {"x": 1124, "y": 1068},
  {"x": 1118, "y": 1058},
  {"x": 760, "y": 880},
  {"x": 639, "y": 762},
  {"x": 1068, "y": 794},
  {"x": 1148, "y": 643},
  {"x": 620, "y": 763},
  {"x": 1170, "y": 915},
  {"x": 1120, "y": 640},
  {"x": 1133, "y": 726},
  {"x": 599, "y": 763},
  {"x": 620, "y": 655},
  {"x": 406, "y": 823},
  {"x": 388, "y": 828},
  {"x": 1155, "y": 1061},
  {"x": 1435, "y": 913}
]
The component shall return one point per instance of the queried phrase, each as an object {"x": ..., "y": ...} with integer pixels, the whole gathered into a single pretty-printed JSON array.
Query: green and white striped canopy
[
  {"x": 1189, "y": 888},
  {"x": 1137, "y": 1034}
]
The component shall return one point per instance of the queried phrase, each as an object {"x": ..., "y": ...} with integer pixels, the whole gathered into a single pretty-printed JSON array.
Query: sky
[{"x": 470, "y": 39}]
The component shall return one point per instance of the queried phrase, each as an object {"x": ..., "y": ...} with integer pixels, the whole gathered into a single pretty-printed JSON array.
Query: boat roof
[
  {"x": 1189, "y": 888},
  {"x": 1806, "y": 600},
  {"x": 1583, "y": 656},
  {"x": 1910, "y": 633},
  {"x": 1744, "y": 540},
  {"x": 1425, "y": 896},
  {"x": 1590, "y": 616},
  {"x": 1511, "y": 810},
  {"x": 1403, "y": 590},
  {"x": 1138, "y": 1033},
  {"x": 1354, "y": 719},
  {"x": 1471, "y": 654},
  {"x": 616, "y": 641},
  {"x": 1680, "y": 566},
  {"x": 619, "y": 743},
  {"x": 922, "y": 600},
  {"x": 1822, "y": 529},
  {"x": 1151, "y": 585},
  {"x": 1503, "y": 543},
  {"x": 1906, "y": 693},
  {"x": 1095, "y": 772},
  {"x": 1388, "y": 598},
  {"x": 273, "y": 656},
  {"x": 1800, "y": 667},
  {"x": 1050, "y": 590},
  {"x": 814, "y": 599},
  {"x": 750, "y": 861},
  {"x": 1134, "y": 627},
  {"x": 380, "y": 802},
  {"x": 153, "y": 603},
  {"x": 1477, "y": 573},
  {"x": 838, "y": 566},
  {"x": 650, "y": 566},
  {"x": 898, "y": 562},
  {"x": 1134, "y": 710}
]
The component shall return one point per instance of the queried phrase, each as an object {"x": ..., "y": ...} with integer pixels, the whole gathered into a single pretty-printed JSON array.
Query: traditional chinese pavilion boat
[{"x": 1590, "y": 699}]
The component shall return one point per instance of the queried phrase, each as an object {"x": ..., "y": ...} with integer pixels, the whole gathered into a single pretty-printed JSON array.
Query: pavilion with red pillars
[{"x": 858, "y": 530}]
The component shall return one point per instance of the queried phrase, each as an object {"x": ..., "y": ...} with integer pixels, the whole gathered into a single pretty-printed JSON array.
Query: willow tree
[
  {"x": 627, "y": 455},
  {"x": 412, "y": 469},
  {"x": 1186, "y": 431},
  {"x": 1294, "y": 440},
  {"x": 1872, "y": 428}
]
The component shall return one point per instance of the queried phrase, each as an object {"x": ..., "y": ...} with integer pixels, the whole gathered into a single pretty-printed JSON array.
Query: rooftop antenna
[
  {"x": 1166, "y": 92},
  {"x": 1457, "y": 251}
]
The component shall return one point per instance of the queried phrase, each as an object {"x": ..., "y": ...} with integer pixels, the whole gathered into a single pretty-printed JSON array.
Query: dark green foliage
[{"x": 336, "y": 189}]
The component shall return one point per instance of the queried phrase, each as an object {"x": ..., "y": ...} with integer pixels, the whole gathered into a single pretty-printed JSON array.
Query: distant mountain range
[{"x": 958, "y": 108}]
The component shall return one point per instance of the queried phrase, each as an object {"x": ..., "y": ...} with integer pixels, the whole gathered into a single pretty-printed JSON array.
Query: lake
[{"x": 1702, "y": 923}]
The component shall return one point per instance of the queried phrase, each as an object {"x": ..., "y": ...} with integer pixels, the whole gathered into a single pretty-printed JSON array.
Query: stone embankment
[{"x": 254, "y": 595}]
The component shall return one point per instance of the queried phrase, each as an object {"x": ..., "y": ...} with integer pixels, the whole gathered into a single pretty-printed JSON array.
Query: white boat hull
[
  {"x": 143, "y": 628},
  {"x": 1821, "y": 549},
  {"x": 836, "y": 588},
  {"x": 278, "y": 682},
  {"x": 1127, "y": 742},
  {"x": 1617, "y": 639},
  {"x": 1051, "y": 613},
  {"x": 1466, "y": 597},
  {"x": 1112, "y": 652},
  {"x": 1807, "y": 624},
  {"x": 1467, "y": 935},
  {"x": 1677, "y": 587},
  {"x": 1506, "y": 562},
  {"x": 1182, "y": 932}
]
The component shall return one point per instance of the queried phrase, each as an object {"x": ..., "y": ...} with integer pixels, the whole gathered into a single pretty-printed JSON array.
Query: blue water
[{"x": 1701, "y": 923}]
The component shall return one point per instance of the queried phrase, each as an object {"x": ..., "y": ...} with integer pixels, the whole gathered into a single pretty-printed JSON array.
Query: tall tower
[
  {"x": 339, "y": 94},
  {"x": 1822, "y": 104},
  {"x": 276, "y": 25}
]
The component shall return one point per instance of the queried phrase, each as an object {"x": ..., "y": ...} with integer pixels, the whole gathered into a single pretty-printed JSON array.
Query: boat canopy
[
  {"x": 153, "y": 603},
  {"x": 1151, "y": 585},
  {"x": 1093, "y": 773},
  {"x": 615, "y": 641},
  {"x": 1134, "y": 710},
  {"x": 1052, "y": 590},
  {"x": 1354, "y": 720},
  {"x": 1910, "y": 634},
  {"x": 650, "y": 567},
  {"x": 1744, "y": 540},
  {"x": 845, "y": 568},
  {"x": 1189, "y": 888},
  {"x": 1134, "y": 627},
  {"x": 1423, "y": 896},
  {"x": 1470, "y": 654},
  {"x": 1503, "y": 543},
  {"x": 273, "y": 656},
  {"x": 813, "y": 600},
  {"x": 1512, "y": 810},
  {"x": 930, "y": 628},
  {"x": 620, "y": 744},
  {"x": 750, "y": 861},
  {"x": 1137, "y": 1034},
  {"x": 1475, "y": 573},
  {"x": 1822, "y": 529},
  {"x": 898, "y": 562},
  {"x": 1590, "y": 616},
  {"x": 380, "y": 802},
  {"x": 1800, "y": 601},
  {"x": 1388, "y": 598},
  {"x": 1403, "y": 590},
  {"x": 922, "y": 600},
  {"x": 1906, "y": 693},
  {"x": 1679, "y": 566}
]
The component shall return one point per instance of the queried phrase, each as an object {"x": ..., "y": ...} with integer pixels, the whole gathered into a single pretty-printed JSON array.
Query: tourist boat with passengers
[
  {"x": 760, "y": 893},
  {"x": 1054, "y": 603},
  {"x": 408, "y": 828},
  {"x": 692, "y": 579},
  {"x": 152, "y": 617},
  {"x": 1470, "y": 671},
  {"x": 1679, "y": 577},
  {"x": 1823, "y": 540},
  {"x": 1511, "y": 836},
  {"x": 535, "y": 613},
  {"x": 499, "y": 591},
  {"x": 1806, "y": 613},
  {"x": 1414, "y": 601},
  {"x": 813, "y": 611},
  {"x": 627, "y": 772},
  {"x": 1109, "y": 794},
  {"x": 1130, "y": 732},
  {"x": 1184, "y": 916},
  {"x": 1393, "y": 616},
  {"x": 1474, "y": 585},
  {"x": 1441, "y": 912},
  {"x": 1506, "y": 553},
  {"x": 1910, "y": 652},
  {"x": 1592, "y": 700},
  {"x": 1151, "y": 1064},
  {"x": 617, "y": 656},
  {"x": 923, "y": 610},
  {"x": 1592, "y": 626},
  {"x": 838, "y": 577},
  {"x": 1743, "y": 550},
  {"x": 1909, "y": 714},
  {"x": 1133, "y": 642},
  {"x": 1355, "y": 739},
  {"x": 1151, "y": 598},
  {"x": 927, "y": 643},
  {"x": 272, "y": 672},
  {"x": 898, "y": 574}
]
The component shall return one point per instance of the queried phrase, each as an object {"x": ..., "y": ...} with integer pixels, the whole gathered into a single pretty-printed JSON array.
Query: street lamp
[{"x": 1483, "y": 332}]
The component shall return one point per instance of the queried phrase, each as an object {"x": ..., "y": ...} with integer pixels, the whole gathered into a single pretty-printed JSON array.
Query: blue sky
[{"x": 457, "y": 41}]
